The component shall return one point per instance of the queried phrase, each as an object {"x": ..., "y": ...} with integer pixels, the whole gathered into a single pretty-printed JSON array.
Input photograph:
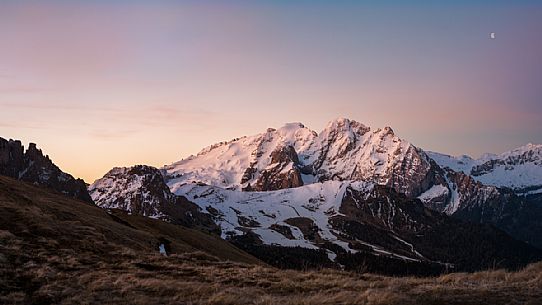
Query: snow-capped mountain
[
  {"x": 349, "y": 191},
  {"x": 34, "y": 167},
  {"x": 345, "y": 150},
  {"x": 141, "y": 190},
  {"x": 294, "y": 155},
  {"x": 519, "y": 169}
]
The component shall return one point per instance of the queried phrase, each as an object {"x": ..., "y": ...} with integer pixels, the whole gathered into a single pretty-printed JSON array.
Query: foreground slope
[
  {"x": 55, "y": 250},
  {"x": 42, "y": 220}
]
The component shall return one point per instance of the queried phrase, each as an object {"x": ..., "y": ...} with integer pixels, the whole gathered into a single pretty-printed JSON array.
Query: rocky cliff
[{"x": 34, "y": 167}]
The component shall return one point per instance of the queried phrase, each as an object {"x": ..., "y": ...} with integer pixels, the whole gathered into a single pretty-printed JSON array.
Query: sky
[{"x": 99, "y": 84}]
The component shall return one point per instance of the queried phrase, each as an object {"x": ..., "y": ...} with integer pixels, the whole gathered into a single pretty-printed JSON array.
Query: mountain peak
[
  {"x": 388, "y": 130},
  {"x": 524, "y": 148},
  {"x": 291, "y": 131},
  {"x": 344, "y": 150},
  {"x": 339, "y": 120},
  {"x": 342, "y": 123},
  {"x": 293, "y": 125}
]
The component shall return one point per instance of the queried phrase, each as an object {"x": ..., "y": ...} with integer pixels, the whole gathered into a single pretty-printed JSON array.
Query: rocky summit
[{"x": 35, "y": 167}]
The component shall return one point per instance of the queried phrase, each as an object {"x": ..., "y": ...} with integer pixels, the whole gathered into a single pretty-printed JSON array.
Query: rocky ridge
[{"x": 34, "y": 167}]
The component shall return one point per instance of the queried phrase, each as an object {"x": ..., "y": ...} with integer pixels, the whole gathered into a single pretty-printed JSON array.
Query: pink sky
[{"x": 116, "y": 84}]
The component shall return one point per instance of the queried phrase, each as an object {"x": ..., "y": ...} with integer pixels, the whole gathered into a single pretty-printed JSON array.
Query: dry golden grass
[
  {"x": 39, "y": 215},
  {"x": 134, "y": 277},
  {"x": 54, "y": 251}
]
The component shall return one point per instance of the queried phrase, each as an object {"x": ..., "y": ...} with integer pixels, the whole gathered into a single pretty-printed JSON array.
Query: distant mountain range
[
  {"x": 350, "y": 194},
  {"x": 518, "y": 169}
]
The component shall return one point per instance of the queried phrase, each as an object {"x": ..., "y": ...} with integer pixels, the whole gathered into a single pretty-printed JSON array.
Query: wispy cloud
[
  {"x": 53, "y": 106},
  {"x": 22, "y": 89},
  {"x": 112, "y": 134},
  {"x": 164, "y": 115},
  {"x": 123, "y": 121},
  {"x": 25, "y": 125}
]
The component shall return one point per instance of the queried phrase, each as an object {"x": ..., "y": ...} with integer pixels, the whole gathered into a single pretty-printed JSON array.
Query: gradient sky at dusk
[{"x": 116, "y": 83}]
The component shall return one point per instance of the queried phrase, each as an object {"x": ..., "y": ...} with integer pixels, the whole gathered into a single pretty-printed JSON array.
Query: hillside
[
  {"x": 41, "y": 220},
  {"x": 55, "y": 250}
]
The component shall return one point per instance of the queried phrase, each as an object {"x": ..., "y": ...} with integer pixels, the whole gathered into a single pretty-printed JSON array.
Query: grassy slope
[
  {"x": 36, "y": 214},
  {"x": 55, "y": 250}
]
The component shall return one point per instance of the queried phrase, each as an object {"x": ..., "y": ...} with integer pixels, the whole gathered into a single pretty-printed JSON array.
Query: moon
[{"x": 492, "y": 35}]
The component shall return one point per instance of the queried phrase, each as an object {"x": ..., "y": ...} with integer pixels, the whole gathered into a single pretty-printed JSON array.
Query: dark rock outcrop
[
  {"x": 34, "y": 167},
  {"x": 283, "y": 171},
  {"x": 415, "y": 174},
  {"x": 503, "y": 208}
]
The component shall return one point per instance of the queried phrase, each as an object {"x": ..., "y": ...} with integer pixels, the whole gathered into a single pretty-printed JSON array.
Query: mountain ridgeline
[{"x": 349, "y": 197}]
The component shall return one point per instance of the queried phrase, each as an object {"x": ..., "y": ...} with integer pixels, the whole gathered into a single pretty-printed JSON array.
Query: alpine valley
[{"x": 349, "y": 197}]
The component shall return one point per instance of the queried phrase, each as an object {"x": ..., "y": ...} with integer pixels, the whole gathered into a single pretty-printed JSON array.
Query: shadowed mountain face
[
  {"x": 435, "y": 236},
  {"x": 518, "y": 214},
  {"x": 34, "y": 167}
]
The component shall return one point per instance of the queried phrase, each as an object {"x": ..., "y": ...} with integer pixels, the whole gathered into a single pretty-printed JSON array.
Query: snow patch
[
  {"x": 435, "y": 191},
  {"x": 317, "y": 201}
]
